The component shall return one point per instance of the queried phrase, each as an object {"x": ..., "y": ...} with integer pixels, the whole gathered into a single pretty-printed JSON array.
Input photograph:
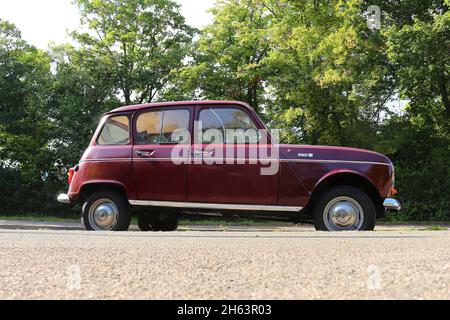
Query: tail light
[
  {"x": 393, "y": 192},
  {"x": 70, "y": 175}
]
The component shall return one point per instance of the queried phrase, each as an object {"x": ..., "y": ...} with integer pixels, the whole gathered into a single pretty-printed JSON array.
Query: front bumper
[
  {"x": 392, "y": 205},
  {"x": 63, "y": 198}
]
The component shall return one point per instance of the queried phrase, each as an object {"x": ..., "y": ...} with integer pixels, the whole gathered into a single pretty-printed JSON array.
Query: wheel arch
[
  {"x": 347, "y": 178},
  {"x": 93, "y": 186}
]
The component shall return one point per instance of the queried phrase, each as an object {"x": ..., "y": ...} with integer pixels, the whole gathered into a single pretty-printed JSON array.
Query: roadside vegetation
[
  {"x": 312, "y": 68},
  {"x": 33, "y": 217},
  {"x": 434, "y": 228},
  {"x": 184, "y": 221},
  {"x": 224, "y": 223}
]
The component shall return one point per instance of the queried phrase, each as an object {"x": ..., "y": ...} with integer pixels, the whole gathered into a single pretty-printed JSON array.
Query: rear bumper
[
  {"x": 392, "y": 205},
  {"x": 63, "y": 198}
]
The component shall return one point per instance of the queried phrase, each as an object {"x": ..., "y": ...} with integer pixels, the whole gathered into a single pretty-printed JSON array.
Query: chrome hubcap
[
  {"x": 103, "y": 215},
  {"x": 343, "y": 214}
]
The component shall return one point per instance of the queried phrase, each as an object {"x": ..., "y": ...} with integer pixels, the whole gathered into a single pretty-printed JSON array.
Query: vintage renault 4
[{"x": 217, "y": 158}]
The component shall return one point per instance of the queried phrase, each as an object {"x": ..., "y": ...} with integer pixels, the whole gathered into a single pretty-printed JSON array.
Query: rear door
[{"x": 160, "y": 175}]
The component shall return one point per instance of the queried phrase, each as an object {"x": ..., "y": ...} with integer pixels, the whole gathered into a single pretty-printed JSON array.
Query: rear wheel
[
  {"x": 106, "y": 211},
  {"x": 144, "y": 222},
  {"x": 344, "y": 208},
  {"x": 158, "y": 221},
  {"x": 164, "y": 221}
]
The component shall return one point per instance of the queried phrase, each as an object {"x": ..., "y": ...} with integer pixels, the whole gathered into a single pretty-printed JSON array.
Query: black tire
[
  {"x": 349, "y": 197},
  {"x": 164, "y": 221},
  {"x": 113, "y": 201},
  {"x": 144, "y": 222}
]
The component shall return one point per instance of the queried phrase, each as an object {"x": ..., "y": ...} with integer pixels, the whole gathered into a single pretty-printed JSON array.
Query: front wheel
[
  {"x": 106, "y": 211},
  {"x": 344, "y": 208}
]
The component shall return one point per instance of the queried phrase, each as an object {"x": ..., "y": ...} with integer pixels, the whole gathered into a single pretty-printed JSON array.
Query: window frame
[
  {"x": 228, "y": 106},
  {"x": 103, "y": 125},
  {"x": 161, "y": 109}
]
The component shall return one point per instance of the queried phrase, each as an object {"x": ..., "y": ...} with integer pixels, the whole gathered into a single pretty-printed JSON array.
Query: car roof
[{"x": 176, "y": 104}]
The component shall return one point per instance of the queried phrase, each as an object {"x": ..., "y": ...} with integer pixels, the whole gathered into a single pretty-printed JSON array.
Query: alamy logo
[
  {"x": 373, "y": 16},
  {"x": 228, "y": 147},
  {"x": 374, "y": 277},
  {"x": 73, "y": 278}
]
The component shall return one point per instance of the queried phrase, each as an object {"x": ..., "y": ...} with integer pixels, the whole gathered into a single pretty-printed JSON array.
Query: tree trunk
[
  {"x": 444, "y": 95},
  {"x": 127, "y": 96},
  {"x": 252, "y": 96},
  {"x": 255, "y": 98}
]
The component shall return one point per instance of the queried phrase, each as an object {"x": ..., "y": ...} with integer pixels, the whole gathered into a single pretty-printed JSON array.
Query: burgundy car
[{"x": 162, "y": 160}]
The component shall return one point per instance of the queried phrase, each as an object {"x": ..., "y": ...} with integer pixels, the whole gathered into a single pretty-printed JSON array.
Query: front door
[
  {"x": 160, "y": 175},
  {"x": 227, "y": 170}
]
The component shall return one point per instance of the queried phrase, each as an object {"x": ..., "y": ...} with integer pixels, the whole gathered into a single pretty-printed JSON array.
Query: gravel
[{"x": 224, "y": 265}]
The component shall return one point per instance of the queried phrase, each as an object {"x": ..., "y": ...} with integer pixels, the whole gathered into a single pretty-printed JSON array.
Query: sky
[{"x": 45, "y": 21}]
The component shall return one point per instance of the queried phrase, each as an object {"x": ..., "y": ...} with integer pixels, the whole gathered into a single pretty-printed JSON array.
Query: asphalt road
[{"x": 265, "y": 264}]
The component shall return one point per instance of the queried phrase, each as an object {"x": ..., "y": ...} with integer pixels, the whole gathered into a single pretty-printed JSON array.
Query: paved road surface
[{"x": 42, "y": 264}]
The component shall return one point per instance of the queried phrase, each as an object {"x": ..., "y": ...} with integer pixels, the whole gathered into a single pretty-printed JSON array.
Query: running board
[{"x": 214, "y": 206}]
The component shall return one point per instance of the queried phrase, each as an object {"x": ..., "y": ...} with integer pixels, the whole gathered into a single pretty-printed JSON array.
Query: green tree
[
  {"x": 330, "y": 80},
  {"x": 420, "y": 52},
  {"x": 83, "y": 90},
  {"x": 25, "y": 78},
  {"x": 147, "y": 41},
  {"x": 418, "y": 43},
  {"x": 227, "y": 59}
]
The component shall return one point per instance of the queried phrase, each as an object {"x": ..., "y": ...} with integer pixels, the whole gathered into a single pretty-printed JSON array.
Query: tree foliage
[
  {"x": 25, "y": 79},
  {"x": 146, "y": 40},
  {"x": 227, "y": 58}
]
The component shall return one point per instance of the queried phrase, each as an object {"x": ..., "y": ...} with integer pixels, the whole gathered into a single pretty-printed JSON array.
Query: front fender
[{"x": 336, "y": 172}]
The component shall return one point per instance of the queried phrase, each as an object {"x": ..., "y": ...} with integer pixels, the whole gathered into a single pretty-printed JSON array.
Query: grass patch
[
  {"x": 134, "y": 220},
  {"x": 434, "y": 228},
  {"x": 39, "y": 218},
  {"x": 412, "y": 222},
  {"x": 219, "y": 222},
  {"x": 224, "y": 222}
]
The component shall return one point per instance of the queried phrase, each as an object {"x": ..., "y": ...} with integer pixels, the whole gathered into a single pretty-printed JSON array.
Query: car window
[
  {"x": 235, "y": 125},
  {"x": 148, "y": 127},
  {"x": 175, "y": 126},
  {"x": 116, "y": 131},
  {"x": 157, "y": 127}
]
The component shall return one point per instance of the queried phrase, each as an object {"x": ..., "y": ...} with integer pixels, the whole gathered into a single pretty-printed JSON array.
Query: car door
[
  {"x": 227, "y": 171},
  {"x": 160, "y": 175}
]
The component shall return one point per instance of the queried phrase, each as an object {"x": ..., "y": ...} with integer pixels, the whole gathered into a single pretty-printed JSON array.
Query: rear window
[{"x": 115, "y": 131}]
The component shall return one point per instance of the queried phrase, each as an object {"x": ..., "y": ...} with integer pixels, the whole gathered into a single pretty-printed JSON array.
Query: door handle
[
  {"x": 145, "y": 154},
  {"x": 203, "y": 153}
]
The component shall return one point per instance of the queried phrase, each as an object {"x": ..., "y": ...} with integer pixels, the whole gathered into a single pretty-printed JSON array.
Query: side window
[
  {"x": 148, "y": 127},
  {"x": 175, "y": 126},
  {"x": 157, "y": 127},
  {"x": 210, "y": 121},
  {"x": 235, "y": 124},
  {"x": 116, "y": 131}
]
